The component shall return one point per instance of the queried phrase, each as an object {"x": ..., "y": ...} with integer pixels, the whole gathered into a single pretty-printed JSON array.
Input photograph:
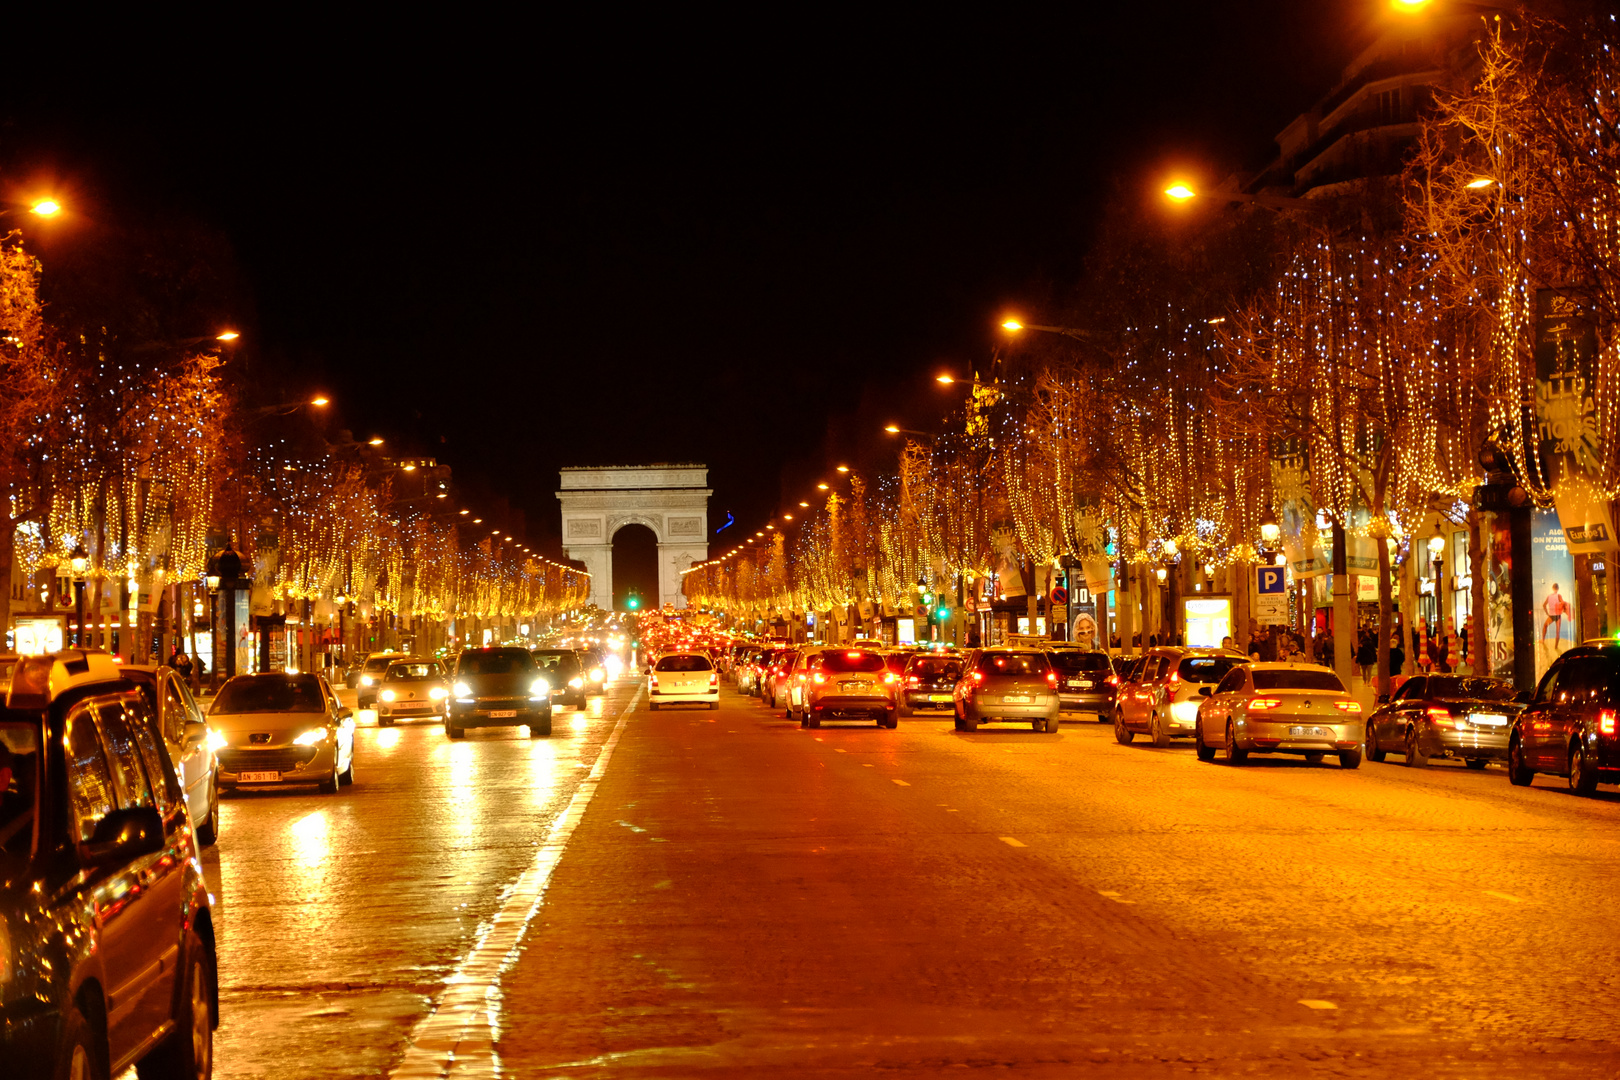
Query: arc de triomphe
[{"x": 671, "y": 500}]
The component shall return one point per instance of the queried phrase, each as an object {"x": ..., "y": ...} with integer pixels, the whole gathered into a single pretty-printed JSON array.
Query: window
[
  {"x": 565, "y": 664},
  {"x": 90, "y": 785},
  {"x": 1206, "y": 669},
  {"x": 1549, "y": 684},
  {"x": 495, "y": 662},
  {"x": 1072, "y": 662},
  {"x": 936, "y": 667},
  {"x": 159, "y": 770},
  {"x": 19, "y": 788},
  {"x": 851, "y": 661},
  {"x": 403, "y": 672},
  {"x": 1581, "y": 679},
  {"x": 174, "y": 713},
  {"x": 1457, "y": 686},
  {"x": 271, "y": 693},
  {"x": 128, "y": 774},
  {"x": 1233, "y": 682},
  {"x": 1013, "y": 664},
  {"x": 685, "y": 662},
  {"x": 1413, "y": 689},
  {"x": 1297, "y": 680}
]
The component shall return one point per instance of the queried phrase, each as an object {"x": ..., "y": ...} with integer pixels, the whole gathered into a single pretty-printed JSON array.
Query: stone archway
[{"x": 671, "y": 500}]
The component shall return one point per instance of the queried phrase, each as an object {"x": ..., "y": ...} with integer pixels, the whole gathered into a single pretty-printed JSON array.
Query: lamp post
[
  {"x": 80, "y": 561},
  {"x": 224, "y": 574}
]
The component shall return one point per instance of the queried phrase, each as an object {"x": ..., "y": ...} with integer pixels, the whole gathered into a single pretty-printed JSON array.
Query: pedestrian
[
  {"x": 1397, "y": 656},
  {"x": 181, "y": 663},
  {"x": 1227, "y": 644},
  {"x": 1367, "y": 653}
]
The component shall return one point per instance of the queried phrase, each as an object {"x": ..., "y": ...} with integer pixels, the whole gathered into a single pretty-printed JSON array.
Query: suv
[
  {"x": 1162, "y": 700},
  {"x": 105, "y": 921},
  {"x": 844, "y": 684},
  {"x": 1004, "y": 684},
  {"x": 1086, "y": 681},
  {"x": 500, "y": 687},
  {"x": 1569, "y": 727}
]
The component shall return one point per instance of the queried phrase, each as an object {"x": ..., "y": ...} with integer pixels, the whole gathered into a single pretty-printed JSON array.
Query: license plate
[
  {"x": 1487, "y": 719},
  {"x": 939, "y": 697},
  {"x": 259, "y": 777},
  {"x": 1017, "y": 699},
  {"x": 852, "y": 686},
  {"x": 501, "y": 714},
  {"x": 1308, "y": 731}
]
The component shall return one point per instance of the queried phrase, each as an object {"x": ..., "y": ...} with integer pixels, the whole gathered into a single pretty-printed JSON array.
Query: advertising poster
[
  {"x": 1085, "y": 625},
  {"x": 1552, "y": 568},
  {"x": 244, "y": 632},
  {"x": 1499, "y": 597}
]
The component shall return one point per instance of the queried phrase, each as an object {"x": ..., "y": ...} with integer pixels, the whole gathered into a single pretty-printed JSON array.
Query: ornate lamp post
[
  {"x": 80, "y": 561},
  {"x": 224, "y": 572}
]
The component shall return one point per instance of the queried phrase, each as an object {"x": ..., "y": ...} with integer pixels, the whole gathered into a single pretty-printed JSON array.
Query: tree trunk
[{"x": 1384, "y": 617}]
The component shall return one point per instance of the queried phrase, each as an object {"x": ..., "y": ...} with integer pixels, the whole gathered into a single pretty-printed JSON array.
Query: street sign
[
  {"x": 1271, "y": 585},
  {"x": 1060, "y": 595}
]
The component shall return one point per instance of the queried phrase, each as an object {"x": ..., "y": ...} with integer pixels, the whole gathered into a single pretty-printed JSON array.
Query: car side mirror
[
  {"x": 1523, "y": 697},
  {"x": 1205, "y": 691},
  {"x": 345, "y": 713},
  {"x": 124, "y": 835},
  {"x": 1383, "y": 699},
  {"x": 193, "y": 734}
]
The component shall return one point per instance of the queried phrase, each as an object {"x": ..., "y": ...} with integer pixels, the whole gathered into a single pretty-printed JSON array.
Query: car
[
  {"x": 1449, "y": 716},
  {"x": 594, "y": 660},
  {"x": 108, "y": 932},
  {"x": 774, "y": 688},
  {"x": 1163, "y": 699},
  {"x": 1568, "y": 728},
  {"x": 1013, "y": 685},
  {"x": 351, "y": 674},
  {"x": 566, "y": 674},
  {"x": 927, "y": 682},
  {"x": 185, "y": 736},
  {"x": 277, "y": 727},
  {"x": 412, "y": 689},
  {"x": 840, "y": 683},
  {"x": 683, "y": 678},
  {"x": 1279, "y": 708},
  {"x": 1086, "y": 681},
  {"x": 500, "y": 686},
  {"x": 371, "y": 674}
]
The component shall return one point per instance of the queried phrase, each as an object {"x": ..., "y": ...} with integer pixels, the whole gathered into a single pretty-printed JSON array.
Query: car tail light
[
  {"x": 714, "y": 679},
  {"x": 1175, "y": 678},
  {"x": 655, "y": 682},
  {"x": 1051, "y": 678},
  {"x": 1440, "y": 717},
  {"x": 1264, "y": 703},
  {"x": 913, "y": 681},
  {"x": 978, "y": 676},
  {"x": 1347, "y": 706},
  {"x": 1606, "y": 721},
  {"x": 888, "y": 677},
  {"x": 1113, "y": 680},
  {"x": 819, "y": 677}
]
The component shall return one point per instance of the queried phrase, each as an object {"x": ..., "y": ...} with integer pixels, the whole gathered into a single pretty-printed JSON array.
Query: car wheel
[
  {"x": 1205, "y": 751},
  {"x": 79, "y": 1055},
  {"x": 208, "y": 830},
  {"x": 1122, "y": 734},
  {"x": 812, "y": 721},
  {"x": 385, "y": 721},
  {"x": 347, "y": 775},
  {"x": 453, "y": 729},
  {"x": 1583, "y": 779},
  {"x": 956, "y": 714},
  {"x": 652, "y": 706},
  {"x": 1350, "y": 759},
  {"x": 1519, "y": 774},
  {"x": 1235, "y": 754},
  {"x": 1161, "y": 737},
  {"x": 1475, "y": 763},
  {"x": 330, "y": 785},
  {"x": 907, "y": 711},
  {"x": 1373, "y": 751},
  {"x": 1415, "y": 757},
  {"x": 969, "y": 724},
  {"x": 188, "y": 1052},
  {"x": 1052, "y": 723},
  {"x": 891, "y": 719}
]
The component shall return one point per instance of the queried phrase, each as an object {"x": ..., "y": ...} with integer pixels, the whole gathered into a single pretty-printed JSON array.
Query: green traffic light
[
  {"x": 633, "y": 603},
  {"x": 942, "y": 613}
]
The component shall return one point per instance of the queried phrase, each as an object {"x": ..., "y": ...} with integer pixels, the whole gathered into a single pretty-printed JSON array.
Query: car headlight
[
  {"x": 596, "y": 674},
  {"x": 576, "y": 682},
  {"x": 387, "y": 695},
  {"x": 366, "y": 680},
  {"x": 216, "y": 741},
  {"x": 462, "y": 690},
  {"x": 540, "y": 688},
  {"x": 311, "y": 737},
  {"x": 438, "y": 693}
]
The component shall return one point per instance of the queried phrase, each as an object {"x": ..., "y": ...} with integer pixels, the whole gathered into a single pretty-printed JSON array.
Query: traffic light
[
  {"x": 942, "y": 613},
  {"x": 633, "y": 602}
]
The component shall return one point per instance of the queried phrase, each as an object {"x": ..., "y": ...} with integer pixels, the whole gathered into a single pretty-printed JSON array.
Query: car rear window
[
  {"x": 937, "y": 667},
  {"x": 495, "y": 662},
  {"x": 850, "y": 661},
  {"x": 1207, "y": 669},
  {"x": 685, "y": 662},
  {"x": 274, "y": 693},
  {"x": 1073, "y": 663},
  {"x": 1453, "y": 686},
  {"x": 895, "y": 662},
  {"x": 1014, "y": 664},
  {"x": 1297, "y": 680},
  {"x": 557, "y": 661}
]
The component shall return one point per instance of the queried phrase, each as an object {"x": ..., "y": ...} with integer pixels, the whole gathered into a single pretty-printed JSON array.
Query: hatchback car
[
  {"x": 1569, "y": 727},
  {"x": 1163, "y": 698},
  {"x": 1012, "y": 685},
  {"x": 1280, "y": 709},
  {"x": 1448, "y": 716},
  {"x": 106, "y": 931},
  {"x": 683, "y": 678},
  {"x": 371, "y": 675},
  {"x": 280, "y": 728},
  {"x": 845, "y": 684},
  {"x": 566, "y": 674},
  {"x": 776, "y": 678},
  {"x": 1086, "y": 681},
  {"x": 927, "y": 682},
  {"x": 498, "y": 687},
  {"x": 412, "y": 689},
  {"x": 185, "y": 735}
]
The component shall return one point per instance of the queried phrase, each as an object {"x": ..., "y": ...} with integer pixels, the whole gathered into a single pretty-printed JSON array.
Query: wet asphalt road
[{"x": 742, "y": 897}]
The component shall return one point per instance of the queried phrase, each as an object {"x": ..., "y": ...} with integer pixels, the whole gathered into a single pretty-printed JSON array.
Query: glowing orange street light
[
  {"x": 46, "y": 207},
  {"x": 892, "y": 429},
  {"x": 946, "y": 379},
  {"x": 1409, "y": 7},
  {"x": 375, "y": 440},
  {"x": 822, "y": 487},
  {"x": 787, "y": 517},
  {"x": 1178, "y": 192},
  {"x": 409, "y": 468},
  {"x": 1480, "y": 182},
  {"x": 802, "y": 503},
  {"x": 843, "y": 468},
  {"x": 321, "y": 401},
  {"x": 228, "y": 335},
  {"x": 466, "y": 512}
]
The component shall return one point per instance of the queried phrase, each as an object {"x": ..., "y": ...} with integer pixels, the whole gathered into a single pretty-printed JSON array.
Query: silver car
[
  {"x": 186, "y": 737},
  {"x": 1015, "y": 685},
  {"x": 411, "y": 689},
  {"x": 279, "y": 728},
  {"x": 1280, "y": 709}
]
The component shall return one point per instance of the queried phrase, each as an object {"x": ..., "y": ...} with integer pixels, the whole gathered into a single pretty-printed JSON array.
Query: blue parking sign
[
  {"x": 1271, "y": 600},
  {"x": 1271, "y": 579}
]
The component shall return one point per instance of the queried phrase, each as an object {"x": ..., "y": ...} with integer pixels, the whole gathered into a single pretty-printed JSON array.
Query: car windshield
[
  {"x": 270, "y": 693},
  {"x": 401, "y": 672},
  {"x": 1282, "y": 679},
  {"x": 685, "y": 662},
  {"x": 1013, "y": 664},
  {"x": 495, "y": 662},
  {"x": 557, "y": 661},
  {"x": 937, "y": 667},
  {"x": 376, "y": 664},
  {"x": 1207, "y": 669},
  {"x": 851, "y": 661},
  {"x": 19, "y": 787},
  {"x": 1073, "y": 663},
  {"x": 1454, "y": 686}
]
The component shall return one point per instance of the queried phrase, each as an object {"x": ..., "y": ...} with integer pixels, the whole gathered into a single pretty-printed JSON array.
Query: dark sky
[{"x": 747, "y": 242}]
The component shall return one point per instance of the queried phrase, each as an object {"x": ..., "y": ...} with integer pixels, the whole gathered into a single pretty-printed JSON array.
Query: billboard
[{"x": 1552, "y": 569}]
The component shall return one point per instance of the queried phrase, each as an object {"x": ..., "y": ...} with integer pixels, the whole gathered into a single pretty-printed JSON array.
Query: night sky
[{"x": 748, "y": 242}]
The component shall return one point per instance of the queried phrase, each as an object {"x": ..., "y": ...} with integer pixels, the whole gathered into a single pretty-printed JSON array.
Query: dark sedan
[
  {"x": 1569, "y": 727},
  {"x": 1446, "y": 716},
  {"x": 1086, "y": 681},
  {"x": 927, "y": 682}
]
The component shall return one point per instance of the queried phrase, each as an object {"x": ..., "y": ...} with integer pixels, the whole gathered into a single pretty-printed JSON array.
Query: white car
[
  {"x": 683, "y": 678},
  {"x": 186, "y": 736}
]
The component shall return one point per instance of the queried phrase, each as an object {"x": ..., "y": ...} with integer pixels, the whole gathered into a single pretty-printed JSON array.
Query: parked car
[
  {"x": 777, "y": 676},
  {"x": 845, "y": 684},
  {"x": 371, "y": 675},
  {"x": 185, "y": 736},
  {"x": 1569, "y": 727},
  {"x": 928, "y": 681},
  {"x": 1451, "y": 716},
  {"x": 498, "y": 687},
  {"x": 1276, "y": 708},
  {"x": 566, "y": 674},
  {"x": 276, "y": 727},
  {"x": 683, "y": 678},
  {"x": 1163, "y": 698},
  {"x": 107, "y": 928},
  {"x": 1012, "y": 685},
  {"x": 411, "y": 689},
  {"x": 1086, "y": 681}
]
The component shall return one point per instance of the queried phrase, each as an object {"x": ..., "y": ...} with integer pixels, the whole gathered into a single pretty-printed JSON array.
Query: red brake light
[
  {"x": 1113, "y": 680},
  {"x": 1175, "y": 677},
  {"x": 978, "y": 676},
  {"x": 1440, "y": 717},
  {"x": 1606, "y": 721},
  {"x": 819, "y": 677},
  {"x": 714, "y": 679},
  {"x": 1051, "y": 678},
  {"x": 888, "y": 676},
  {"x": 1265, "y": 703},
  {"x": 1348, "y": 706},
  {"x": 913, "y": 681}
]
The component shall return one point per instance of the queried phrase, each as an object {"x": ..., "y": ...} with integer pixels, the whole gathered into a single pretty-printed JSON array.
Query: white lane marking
[
  {"x": 457, "y": 1039},
  {"x": 1114, "y": 896},
  {"x": 1504, "y": 896},
  {"x": 1317, "y": 1003},
  {"x": 902, "y": 783},
  {"x": 1011, "y": 841},
  {"x": 867, "y": 765},
  {"x": 953, "y": 811},
  {"x": 837, "y": 749}
]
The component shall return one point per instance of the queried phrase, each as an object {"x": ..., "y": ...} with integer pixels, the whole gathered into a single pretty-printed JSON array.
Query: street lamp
[
  {"x": 1181, "y": 192},
  {"x": 1270, "y": 531},
  {"x": 80, "y": 561}
]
